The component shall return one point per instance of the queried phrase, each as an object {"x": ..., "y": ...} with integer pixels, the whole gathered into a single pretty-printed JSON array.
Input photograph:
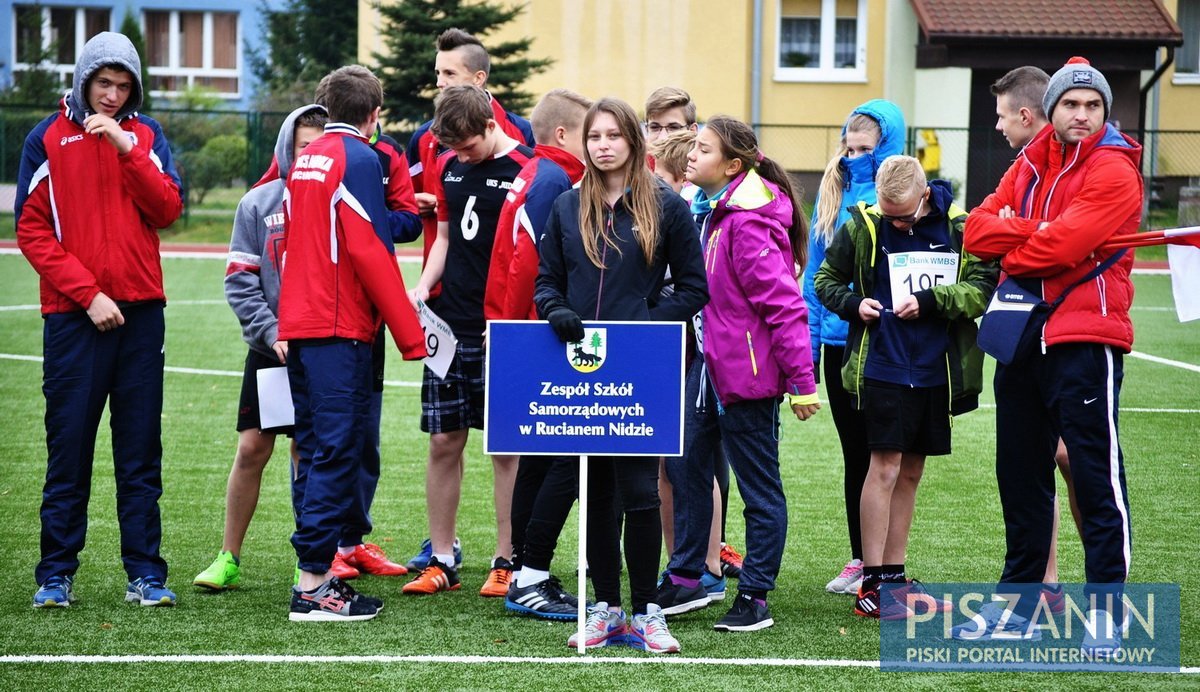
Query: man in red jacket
[
  {"x": 96, "y": 183},
  {"x": 340, "y": 278},
  {"x": 1076, "y": 184}
]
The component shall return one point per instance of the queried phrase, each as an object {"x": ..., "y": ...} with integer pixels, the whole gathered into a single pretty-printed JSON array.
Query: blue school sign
[{"x": 618, "y": 392}]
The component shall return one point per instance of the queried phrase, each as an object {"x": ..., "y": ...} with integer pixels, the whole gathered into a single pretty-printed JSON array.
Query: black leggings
[
  {"x": 625, "y": 487},
  {"x": 852, "y": 433}
]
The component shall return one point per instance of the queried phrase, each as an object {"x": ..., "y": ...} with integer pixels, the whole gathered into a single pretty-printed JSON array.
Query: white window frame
[
  {"x": 65, "y": 72},
  {"x": 1187, "y": 78},
  {"x": 825, "y": 70},
  {"x": 189, "y": 75}
]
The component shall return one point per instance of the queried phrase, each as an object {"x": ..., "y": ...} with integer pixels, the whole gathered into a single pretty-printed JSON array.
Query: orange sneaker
[
  {"x": 434, "y": 578},
  {"x": 342, "y": 569},
  {"x": 368, "y": 558},
  {"x": 731, "y": 561},
  {"x": 499, "y": 577}
]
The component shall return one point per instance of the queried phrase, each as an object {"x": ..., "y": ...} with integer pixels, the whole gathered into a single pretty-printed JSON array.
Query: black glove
[{"x": 566, "y": 324}]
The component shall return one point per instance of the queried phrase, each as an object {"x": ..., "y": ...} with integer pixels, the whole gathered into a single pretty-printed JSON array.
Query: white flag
[{"x": 1185, "y": 280}]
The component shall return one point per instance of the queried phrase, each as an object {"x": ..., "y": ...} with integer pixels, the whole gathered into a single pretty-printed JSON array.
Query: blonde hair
[
  {"x": 900, "y": 178},
  {"x": 641, "y": 196},
  {"x": 558, "y": 107},
  {"x": 670, "y": 153},
  {"x": 829, "y": 195}
]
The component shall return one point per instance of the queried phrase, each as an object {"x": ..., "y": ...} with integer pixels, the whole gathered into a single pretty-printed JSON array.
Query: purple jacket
[{"x": 756, "y": 340}]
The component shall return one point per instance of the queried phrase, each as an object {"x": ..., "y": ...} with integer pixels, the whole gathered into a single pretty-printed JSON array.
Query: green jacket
[{"x": 847, "y": 276}]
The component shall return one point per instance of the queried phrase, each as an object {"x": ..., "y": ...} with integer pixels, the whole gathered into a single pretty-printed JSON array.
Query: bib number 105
[{"x": 920, "y": 271}]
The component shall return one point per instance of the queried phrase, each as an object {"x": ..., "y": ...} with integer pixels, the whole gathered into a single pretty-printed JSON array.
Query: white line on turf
[
  {"x": 470, "y": 660},
  {"x": 1164, "y": 361},
  {"x": 204, "y": 254},
  {"x": 197, "y": 371}
]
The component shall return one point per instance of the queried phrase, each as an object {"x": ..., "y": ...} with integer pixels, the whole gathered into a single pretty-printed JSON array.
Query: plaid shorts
[{"x": 456, "y": 402}]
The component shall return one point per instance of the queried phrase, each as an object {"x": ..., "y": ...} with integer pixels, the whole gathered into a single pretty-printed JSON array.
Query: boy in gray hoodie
[{"x": 252, "y": 289}]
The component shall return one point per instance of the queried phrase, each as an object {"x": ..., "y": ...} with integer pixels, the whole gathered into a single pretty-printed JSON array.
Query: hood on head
[
  {"x": 105, "y": 49},
  {"x": 891, "y": 126},
  {"x": 286, "y": 141}
]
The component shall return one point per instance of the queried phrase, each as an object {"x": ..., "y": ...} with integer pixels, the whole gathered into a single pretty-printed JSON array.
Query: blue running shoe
[
  {"x": 56, "y": 592},
  {"x": 995, "y": 623},
  {"x": 149, "y": 591},
  {"x": 420, "y": 561},
  {"x": 714, "y": 585}
]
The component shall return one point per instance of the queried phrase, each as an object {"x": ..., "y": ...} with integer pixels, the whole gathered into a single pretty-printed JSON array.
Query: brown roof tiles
[{"x": 1131, "y": 20}]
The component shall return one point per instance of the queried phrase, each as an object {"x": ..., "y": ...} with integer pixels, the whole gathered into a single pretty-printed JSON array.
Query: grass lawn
[{"x": 957, "y": 536}]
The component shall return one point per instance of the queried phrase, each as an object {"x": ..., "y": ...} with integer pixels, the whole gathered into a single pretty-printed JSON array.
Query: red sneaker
[
  {"x": 731, "y": 561},
  {"x": 368, "y": 558},
  {"x": 341, "y": 569}
]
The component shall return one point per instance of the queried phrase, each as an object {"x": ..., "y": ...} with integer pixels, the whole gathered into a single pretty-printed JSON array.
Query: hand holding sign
[{"x": 439, "y": 341}]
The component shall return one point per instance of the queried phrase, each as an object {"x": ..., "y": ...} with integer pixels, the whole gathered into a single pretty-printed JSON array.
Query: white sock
[
  {"x": 530, "y": 576},
  {"x": 447, "y": 560},
  {"x": 345, "y": 550}
]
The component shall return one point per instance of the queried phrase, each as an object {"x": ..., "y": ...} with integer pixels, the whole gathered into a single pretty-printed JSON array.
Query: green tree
[
  {"x": 132, "y": 29},
  {"x": 305, "y": 40},
  {"x": 596, "y": 342},
  {"x": 38, "y": 84},
  {"x": 216, "y": 164},
  {"x": 409, "y": 30}
]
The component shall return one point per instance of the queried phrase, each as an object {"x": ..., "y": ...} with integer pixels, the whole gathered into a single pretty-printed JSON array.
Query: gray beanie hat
[{"x": 1078, "y": 73}]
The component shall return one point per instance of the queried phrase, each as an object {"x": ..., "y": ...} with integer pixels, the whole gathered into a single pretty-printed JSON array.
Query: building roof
[{"x": 1139, "y": 21}]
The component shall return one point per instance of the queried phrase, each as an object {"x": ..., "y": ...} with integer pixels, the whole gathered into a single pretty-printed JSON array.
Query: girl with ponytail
[{"x": 754, "y": 351}]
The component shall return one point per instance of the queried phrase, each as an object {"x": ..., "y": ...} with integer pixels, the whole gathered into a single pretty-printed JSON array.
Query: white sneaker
[
  {"x": 842, "y": 583},
  {"x": 649, "y": 632},
  {"x": 603, "y": 627},
  {"x": 1101, "y": 636},
  {"x": 855, "y": 587}
]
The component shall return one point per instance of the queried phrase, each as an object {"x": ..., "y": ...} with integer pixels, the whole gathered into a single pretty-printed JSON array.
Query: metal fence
[
  {"x": 1169, "y": 158},
  {"x": 972, "y": 164}
]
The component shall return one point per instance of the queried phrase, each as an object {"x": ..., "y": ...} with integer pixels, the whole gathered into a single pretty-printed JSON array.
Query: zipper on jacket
[
  {"x": 1101, "y": 288},
  {"x": 603, "y": 266},
  {"x": 753, "y": 360}
]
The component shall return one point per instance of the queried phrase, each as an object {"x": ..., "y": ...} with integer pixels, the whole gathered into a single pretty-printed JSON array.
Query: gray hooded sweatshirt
[
  {"x": 105, "y": 49},
  {"x": 256, "y": 248}
]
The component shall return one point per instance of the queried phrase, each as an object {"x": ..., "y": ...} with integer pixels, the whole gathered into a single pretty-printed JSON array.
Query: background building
[
  {"x": 795, "y": 68},
  {"x": 194, "y": 43}
]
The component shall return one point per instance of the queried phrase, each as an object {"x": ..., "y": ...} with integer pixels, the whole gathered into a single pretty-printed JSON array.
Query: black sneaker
[
  {"x": 545, "y": 599},
  {"x": 746, "y": 615},
  {"x": 676, "y": 599},
  {"x": 329, "y": 602},
  {"x": 357, "y": 597}
]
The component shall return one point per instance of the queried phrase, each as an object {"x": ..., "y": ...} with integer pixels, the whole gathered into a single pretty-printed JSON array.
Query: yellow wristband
[{"x": 803, "y": 399}]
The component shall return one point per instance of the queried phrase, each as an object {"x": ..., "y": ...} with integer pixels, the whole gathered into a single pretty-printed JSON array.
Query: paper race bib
[{"x": 910, "y": 272}]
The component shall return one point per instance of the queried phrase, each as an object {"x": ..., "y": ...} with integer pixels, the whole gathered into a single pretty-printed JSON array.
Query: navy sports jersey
[{"x": 469, "y": 199}]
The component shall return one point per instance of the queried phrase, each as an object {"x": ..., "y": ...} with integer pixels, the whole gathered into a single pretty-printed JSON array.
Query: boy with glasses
[
  {"x": 897, "y": 273},
  {"x": 668, "y": 110}
]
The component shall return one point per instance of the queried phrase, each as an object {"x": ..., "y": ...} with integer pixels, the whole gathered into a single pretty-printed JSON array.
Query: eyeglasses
[
  {"x": 909, "y": 219},
  {"x": 655, "y": 128}
]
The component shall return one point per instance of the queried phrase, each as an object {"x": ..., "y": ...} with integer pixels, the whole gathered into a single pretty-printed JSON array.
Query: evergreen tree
[
  {"x": 305, "y": 40},
  {"x": 132, "y": 29},
  {"x": 410, "y": 29}
]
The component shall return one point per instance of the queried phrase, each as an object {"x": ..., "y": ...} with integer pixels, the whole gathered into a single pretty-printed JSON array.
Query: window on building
[
  {"x": 56, "y": 34},
  {"x": 187, "y": 49},
  {"x": 822, "y": 40},
  {"x": 1187, "y": 56}
]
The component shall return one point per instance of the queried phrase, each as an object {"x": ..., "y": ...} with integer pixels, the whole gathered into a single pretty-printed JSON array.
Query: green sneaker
[{"x": 222, "y": 574}]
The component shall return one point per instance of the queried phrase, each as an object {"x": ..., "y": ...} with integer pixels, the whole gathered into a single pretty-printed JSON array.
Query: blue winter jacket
[{"x": 858, "y": 184}]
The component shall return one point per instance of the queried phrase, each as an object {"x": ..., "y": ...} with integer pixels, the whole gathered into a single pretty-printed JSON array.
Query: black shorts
[
  {"x": 248, "y": 417},
  {"x": 456, "y": 402},
  {"x": 914, "y": 420}
]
